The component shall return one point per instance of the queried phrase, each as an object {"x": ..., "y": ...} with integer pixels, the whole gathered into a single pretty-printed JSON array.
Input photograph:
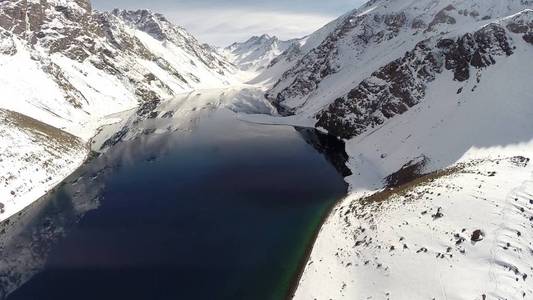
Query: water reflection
[{"x": 182, "y": 172}]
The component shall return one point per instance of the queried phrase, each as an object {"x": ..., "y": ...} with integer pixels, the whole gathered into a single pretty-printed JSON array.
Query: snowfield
[
  {"x": 34, "y": 158},
  {"x": 465, "y": 233}
]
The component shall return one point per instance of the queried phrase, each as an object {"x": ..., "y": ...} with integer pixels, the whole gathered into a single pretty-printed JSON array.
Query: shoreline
[
  {"x": 88, "y": 157},
  {"x": 295, "y": 281}
]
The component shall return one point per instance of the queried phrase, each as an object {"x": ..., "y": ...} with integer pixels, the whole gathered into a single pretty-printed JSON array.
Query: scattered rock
[
  {"x": 438, "y": 214},
  {"x": 477, "y": 236}
]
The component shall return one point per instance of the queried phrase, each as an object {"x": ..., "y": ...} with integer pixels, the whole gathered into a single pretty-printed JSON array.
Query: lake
[{"x": 180, "y": 201}]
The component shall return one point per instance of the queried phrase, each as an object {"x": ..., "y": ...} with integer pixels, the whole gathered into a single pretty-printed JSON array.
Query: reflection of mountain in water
[
  {"x": 146, "y": 135},
  {"x": 27, "y": 238},
  {"x": 182, "y": 114}
]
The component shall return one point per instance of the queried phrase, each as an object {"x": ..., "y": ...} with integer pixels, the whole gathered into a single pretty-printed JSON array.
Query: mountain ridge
[
  {"x": 256, "y": 53},
  {"x": 128, "y": 62},
  {"x": 398, "y": 25}
]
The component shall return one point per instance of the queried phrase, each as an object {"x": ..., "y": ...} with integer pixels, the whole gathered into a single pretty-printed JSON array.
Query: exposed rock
[
  {"x": 477, "y": 236},
  {"x": 409, "y": 172},
  {"x": 320, "y": 62},
  {"x": 401, "y": 84},
  {"x": 7, "y": 44},
  {"x": 443, "y": 17}
]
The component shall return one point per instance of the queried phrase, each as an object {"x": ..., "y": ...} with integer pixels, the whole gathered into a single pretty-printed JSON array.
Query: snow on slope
[
  {"x": 469, "y": 127},
  {"x": 370, "y": 37},
  {"x": 66, "y": 65},
  {"x": 27, "y": 89},
  {"x": 255, "y": 54},
  {"x": 462, "y": 234},
  {"x": 34, "y": 157},
  {"x": 493, "y": 112},
  {"x": 288, "y": 59}
]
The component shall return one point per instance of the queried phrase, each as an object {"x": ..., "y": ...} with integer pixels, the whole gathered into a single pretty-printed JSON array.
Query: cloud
[{"x": 222, "y": 27}]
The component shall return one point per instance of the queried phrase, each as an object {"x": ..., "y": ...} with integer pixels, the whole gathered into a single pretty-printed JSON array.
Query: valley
[{"x": 422, "y": 108}]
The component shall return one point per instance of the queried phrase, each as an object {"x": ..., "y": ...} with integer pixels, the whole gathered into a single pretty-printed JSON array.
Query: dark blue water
[{"x": 223, "y": 211}]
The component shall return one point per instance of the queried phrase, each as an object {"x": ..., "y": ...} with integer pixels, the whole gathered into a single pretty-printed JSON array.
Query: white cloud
[{"x": 222, "y": 27}]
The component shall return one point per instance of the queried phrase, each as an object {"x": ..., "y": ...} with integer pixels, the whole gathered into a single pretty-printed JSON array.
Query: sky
[{"x": 222, "y": 22}]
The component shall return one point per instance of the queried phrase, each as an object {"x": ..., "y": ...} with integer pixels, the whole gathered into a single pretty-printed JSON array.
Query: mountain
[
  {"x": 434, "y": 103},
  {"x": 256, "y": 53},
  {"x": 432, "y": 99},
  {"x": 67, "y": 65},
  {"x": 64, "y": 66},
  {"x": 297, "y": 51},
  {"x": 370, "y": 37},
  {"x": 391, "y": 58}
]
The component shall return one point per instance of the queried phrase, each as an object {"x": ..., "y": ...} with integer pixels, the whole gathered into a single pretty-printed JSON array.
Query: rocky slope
[
  {"x": 352, "y": 48},
  {"x": 403, "y": 83},
  {"x": 67, "y": 65}
]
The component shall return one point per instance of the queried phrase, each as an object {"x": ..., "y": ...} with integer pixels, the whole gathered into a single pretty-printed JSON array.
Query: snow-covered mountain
[
  {"x": 349, "y": 49},
  {"x": 66, "y": 66},
  {"x": 433, "y": 99},
  {"x": 257, "y": 53},
  {"x": 434, "y": 102}
]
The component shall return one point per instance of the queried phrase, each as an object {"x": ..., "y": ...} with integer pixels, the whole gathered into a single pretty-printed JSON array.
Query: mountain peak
[
  {"x": 266, "y": 36},
  {"x": 256, "y": 39},
  {"x": 145, "y": 20},
  {"x": 138, "y": 15},
  {"x": 257, "y": 52}
]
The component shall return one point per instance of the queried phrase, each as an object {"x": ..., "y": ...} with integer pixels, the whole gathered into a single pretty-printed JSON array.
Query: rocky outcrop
[
  {"x": 7, "y": 44},
  {"x": 522, "y": 24},
  {"x": 476, "y": 50},
  {"x": 442, "y": 17},
  {"x": 402, "y": 84}
]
